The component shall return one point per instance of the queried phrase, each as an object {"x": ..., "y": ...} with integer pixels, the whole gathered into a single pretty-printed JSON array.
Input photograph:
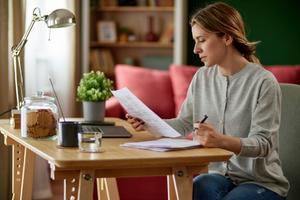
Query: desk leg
[
  {"x": 183, "y": 183},
  {"x": 86, "y": 185},
  {"x": 17, "y": 167},
  {"x": 107, "y": 189},
  {"x": 70, "y": 188},
  {"x": 171, "y": 188},
  {"x": 27, "y": 176}
]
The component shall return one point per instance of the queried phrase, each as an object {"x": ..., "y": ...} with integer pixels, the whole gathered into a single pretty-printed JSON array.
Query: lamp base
[{"x": 15, "y": 119}]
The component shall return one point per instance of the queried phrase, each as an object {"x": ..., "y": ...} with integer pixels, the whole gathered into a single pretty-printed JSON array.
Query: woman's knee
[
  {"x": 205, "y": 180},
  {"x": 211, "y": 180},
  {"x": 207, "y": 186}
]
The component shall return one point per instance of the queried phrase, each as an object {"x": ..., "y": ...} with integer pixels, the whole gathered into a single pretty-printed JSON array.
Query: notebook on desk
[{"x": 109, "y": 131}]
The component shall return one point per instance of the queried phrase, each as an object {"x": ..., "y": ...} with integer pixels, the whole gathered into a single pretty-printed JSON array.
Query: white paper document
[
  {"x": 135, "y": 107},
  {"x": 164, "y": 144}
]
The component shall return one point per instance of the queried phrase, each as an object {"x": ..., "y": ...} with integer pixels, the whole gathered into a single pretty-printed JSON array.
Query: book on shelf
[{"x": 102, "y": 60}]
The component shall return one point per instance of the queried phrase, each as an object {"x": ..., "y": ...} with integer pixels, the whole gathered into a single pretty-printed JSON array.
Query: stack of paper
[{"x": 164, "y": 144}]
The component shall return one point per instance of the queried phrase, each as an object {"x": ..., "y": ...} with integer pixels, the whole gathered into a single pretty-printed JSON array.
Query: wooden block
[{"x": 15, "y": 120}]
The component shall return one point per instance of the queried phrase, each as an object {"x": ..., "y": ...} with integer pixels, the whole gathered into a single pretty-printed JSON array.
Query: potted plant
[{"x": 93, "y": 90}]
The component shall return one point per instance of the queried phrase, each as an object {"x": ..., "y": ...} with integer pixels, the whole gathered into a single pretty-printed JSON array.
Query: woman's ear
[{"x": 227, "y": 39}]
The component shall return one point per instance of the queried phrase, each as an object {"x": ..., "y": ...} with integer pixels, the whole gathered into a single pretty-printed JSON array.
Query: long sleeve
[{"x": 265, "y": 122}]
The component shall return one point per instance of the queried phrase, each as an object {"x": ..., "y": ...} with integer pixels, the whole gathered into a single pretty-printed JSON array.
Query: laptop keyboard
[
  {"x": 91, "y": 128},
  {"x": 108, "y": 131}
]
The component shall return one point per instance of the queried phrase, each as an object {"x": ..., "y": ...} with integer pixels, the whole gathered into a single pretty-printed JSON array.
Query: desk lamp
[{"x": 57, "y": 19}]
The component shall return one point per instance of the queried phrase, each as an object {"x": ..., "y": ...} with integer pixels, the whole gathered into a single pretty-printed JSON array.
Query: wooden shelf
[
  {"x": 136, "y": 19},
  {"x": 135, "y": 9},
  {"x": 96, "y": 44}
]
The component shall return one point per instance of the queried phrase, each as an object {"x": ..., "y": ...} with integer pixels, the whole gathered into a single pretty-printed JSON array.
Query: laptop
[{"x": 108, "y": 128}]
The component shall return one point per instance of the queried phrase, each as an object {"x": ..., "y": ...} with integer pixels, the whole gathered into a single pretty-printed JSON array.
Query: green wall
[{"x": 275, "y": 23}]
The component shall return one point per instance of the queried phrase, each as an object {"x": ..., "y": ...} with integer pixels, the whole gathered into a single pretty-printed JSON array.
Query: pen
[
  {"x": 204, "y": 119},
  {"x": 195, "y": 129}
]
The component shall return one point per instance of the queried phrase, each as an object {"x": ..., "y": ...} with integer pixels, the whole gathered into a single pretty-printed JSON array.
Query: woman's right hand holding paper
[{"x": 136, "y": 123}]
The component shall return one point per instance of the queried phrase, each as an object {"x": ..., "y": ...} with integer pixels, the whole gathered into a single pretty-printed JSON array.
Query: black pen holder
[{"x": 67, "y": 134}]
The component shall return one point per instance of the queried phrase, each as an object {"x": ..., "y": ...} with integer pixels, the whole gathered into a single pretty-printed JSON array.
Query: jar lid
[{"x": 39, "y": 97}]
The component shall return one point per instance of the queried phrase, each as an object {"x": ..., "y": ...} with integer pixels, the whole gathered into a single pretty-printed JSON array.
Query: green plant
[{"x": 94, "y": 86}]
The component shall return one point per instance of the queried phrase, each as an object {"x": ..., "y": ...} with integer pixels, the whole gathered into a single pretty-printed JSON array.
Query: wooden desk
[{"x": 79, "y": 170}]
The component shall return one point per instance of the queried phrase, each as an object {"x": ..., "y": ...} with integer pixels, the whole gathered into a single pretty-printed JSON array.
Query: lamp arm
[
  {"x": 18, "y": 78},
  {"x": 16, "y": 50},
  {"x": 36, "y": 16}
]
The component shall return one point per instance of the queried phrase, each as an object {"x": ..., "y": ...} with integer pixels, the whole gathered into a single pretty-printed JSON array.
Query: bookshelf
[{"x": 130, "y": 24}]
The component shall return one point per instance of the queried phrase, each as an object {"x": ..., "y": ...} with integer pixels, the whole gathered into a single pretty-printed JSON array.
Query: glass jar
[{"x": 39, "y": 116}]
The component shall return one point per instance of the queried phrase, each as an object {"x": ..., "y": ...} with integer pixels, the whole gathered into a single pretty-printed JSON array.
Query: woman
[{"x": 243, "y": 104}]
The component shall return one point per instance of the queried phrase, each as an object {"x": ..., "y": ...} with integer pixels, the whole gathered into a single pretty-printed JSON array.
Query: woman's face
[{"x": 210, "y": 48}]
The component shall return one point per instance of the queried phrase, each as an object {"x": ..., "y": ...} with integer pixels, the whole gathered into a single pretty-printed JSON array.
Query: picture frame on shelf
[{"x": 106, "y": 31}]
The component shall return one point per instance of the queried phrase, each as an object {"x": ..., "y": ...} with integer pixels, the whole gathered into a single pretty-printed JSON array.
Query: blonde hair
[{"x": 220, "y": 18}]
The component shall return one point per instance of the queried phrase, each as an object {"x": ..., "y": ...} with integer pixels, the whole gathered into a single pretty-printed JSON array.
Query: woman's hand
[
  {"x": 136, "y": 123},
  {"x": 208, "y": 136}
]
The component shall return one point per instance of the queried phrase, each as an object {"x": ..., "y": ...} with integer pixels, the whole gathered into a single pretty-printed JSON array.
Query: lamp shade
[{"x": 60, "y": 18}]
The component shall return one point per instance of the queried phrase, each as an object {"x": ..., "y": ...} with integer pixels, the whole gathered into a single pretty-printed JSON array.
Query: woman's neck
[{"x": 233, "y": 63}]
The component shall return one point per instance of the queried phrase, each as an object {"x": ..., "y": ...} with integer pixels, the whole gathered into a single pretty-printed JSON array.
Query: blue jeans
[{"x": 217, "y": 187}]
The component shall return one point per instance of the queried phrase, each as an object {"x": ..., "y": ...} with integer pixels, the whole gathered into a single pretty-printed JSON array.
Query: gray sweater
[{"x": 245, "y": 105}]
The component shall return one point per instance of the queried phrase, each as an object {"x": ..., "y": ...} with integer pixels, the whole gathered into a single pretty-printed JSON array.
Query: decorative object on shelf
[
  {"x": 126, "y": 35},
  {"x": 93, "y": 90},
  {"x": 56, "y": 19},
  {"x": 107, "y": 31},
  {"x": 150, "y": 35},
  {"x": 132, "y": 38}
]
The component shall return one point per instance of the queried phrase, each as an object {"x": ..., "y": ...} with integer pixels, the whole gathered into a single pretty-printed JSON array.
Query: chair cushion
[
  {"x": 153, "y": 87},
  {"x": 289, "y": 137},
  {"x": 286, "y": 74},
  {"x": 181, "y": 76},
  {"x": 137, "y": 188}
]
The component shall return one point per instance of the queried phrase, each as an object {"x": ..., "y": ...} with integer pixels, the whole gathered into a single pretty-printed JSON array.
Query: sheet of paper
[
  {"x": 135, "y": 107},
  {"x": 164, "y": 144}
]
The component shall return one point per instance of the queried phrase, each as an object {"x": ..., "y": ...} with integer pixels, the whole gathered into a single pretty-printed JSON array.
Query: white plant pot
[{"x": 93, "y": 111}]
